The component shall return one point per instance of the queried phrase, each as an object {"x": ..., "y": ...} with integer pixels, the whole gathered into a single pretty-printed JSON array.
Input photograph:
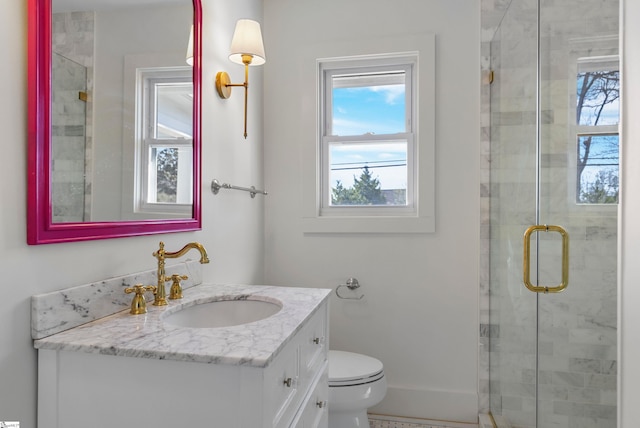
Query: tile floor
[{"x": 384, "y": 422}]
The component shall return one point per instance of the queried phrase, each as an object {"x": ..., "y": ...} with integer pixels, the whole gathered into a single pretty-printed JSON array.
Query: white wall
[
  {"x": 232, "y": 222},
  {"x": 629, "y": 373},
  {"x": 420, "y": 311}
]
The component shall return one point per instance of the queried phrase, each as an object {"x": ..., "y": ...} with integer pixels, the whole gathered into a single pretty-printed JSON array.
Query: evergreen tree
[
  {"x": 167, "y": 174},
  {"x": 365, "y": 191},
  {"x": 341, "y": 195}
]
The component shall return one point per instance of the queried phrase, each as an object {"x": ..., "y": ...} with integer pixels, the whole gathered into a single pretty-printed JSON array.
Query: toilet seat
[{"x": 350, "y": 369}]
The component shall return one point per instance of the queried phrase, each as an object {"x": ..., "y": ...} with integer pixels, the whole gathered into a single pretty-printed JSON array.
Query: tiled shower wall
[
  {"x": 576, "y": 329},
  {"x": 72, "y": 73}
]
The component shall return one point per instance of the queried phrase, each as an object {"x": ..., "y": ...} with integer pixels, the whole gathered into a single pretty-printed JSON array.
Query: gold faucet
[{"x": 161, "y": 292}]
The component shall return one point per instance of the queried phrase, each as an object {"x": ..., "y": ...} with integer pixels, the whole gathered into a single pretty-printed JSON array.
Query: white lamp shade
[
  {"x": 189, "y": 58},
  {"x": 247, "y": 40}
]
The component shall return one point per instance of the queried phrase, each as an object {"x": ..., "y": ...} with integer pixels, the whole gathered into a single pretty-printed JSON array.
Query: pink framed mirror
[{"x": 114, "y": 119}]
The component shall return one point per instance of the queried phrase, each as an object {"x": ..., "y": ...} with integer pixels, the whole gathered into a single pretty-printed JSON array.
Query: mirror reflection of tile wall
[{"x": 71, "y": 115}]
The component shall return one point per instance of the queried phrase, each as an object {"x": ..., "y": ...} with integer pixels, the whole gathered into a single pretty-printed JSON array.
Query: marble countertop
[{"x": 148, "y": 336}]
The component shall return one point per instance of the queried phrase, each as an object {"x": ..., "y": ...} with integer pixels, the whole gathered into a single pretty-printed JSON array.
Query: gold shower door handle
[{"x": 527, "y": 258}]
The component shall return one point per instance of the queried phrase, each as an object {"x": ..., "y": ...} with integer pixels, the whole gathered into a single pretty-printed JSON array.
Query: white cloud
[{"x": 391, "y": 92}]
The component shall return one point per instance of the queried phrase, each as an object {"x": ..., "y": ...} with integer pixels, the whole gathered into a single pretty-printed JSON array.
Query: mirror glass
[{"x": 114, "y": 115}]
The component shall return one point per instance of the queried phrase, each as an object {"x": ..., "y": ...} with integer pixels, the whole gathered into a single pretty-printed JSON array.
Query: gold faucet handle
[
  {"x": 176, "y": 277},
  {"x": 139, "y": 303},
  {"x": 176, "y": 288}
]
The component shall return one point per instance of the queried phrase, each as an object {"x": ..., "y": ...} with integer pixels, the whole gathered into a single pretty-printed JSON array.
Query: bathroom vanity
[{"x": 142, "y": 370}]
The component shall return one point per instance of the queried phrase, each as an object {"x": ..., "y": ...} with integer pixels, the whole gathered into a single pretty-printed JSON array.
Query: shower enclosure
[
  {"x": 554, "y": 161},
  {"x": 68, "y": 139},
  {"x": 72, "y": 86}
]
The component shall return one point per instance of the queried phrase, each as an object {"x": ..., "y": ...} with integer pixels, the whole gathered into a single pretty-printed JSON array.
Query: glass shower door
[
  {"x": 554, "y": 160},
  {"x": 578, "y": 186},
  {"x": 513, "y": 309}
]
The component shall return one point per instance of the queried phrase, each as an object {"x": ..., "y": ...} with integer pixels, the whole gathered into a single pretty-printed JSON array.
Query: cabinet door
[
  {"x": 315, "y": 413},
  {"x": 313, "y": 346},
  {"x": 281, "y": 387}
]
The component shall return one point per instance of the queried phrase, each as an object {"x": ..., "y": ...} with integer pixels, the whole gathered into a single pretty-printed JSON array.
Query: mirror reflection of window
[
  {"x": 173, "y": 109},
  {"x": 165, "y": 128}
]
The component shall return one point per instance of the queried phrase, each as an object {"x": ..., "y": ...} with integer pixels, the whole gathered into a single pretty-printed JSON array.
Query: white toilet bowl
[{"x": 356, "y": 382}]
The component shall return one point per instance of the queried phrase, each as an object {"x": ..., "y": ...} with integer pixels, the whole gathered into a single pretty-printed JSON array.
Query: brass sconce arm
[
  {"x": 224, "y": 85},
  {"x": 247, "y": 48}
]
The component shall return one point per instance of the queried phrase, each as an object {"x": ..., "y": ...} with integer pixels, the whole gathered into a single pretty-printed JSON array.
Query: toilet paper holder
[{"x": 352, "y": 284}]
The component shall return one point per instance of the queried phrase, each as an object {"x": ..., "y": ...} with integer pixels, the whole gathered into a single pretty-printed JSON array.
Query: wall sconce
[{"x": 246, "y": 48}]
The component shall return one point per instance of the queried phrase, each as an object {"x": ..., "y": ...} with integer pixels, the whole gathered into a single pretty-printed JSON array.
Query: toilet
[{"x": 356, "y": 382}]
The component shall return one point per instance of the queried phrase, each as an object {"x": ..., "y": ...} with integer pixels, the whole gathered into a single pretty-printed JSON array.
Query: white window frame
[
  {"x": 328, "y": 70},
  {"x": 422, "y": 219},
  {"x": 584, "y": 64},
  {"x": 145, "y": 178}
]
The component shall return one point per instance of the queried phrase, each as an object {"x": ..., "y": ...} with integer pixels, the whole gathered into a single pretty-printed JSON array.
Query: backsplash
[{"x": 61, "y": 310}]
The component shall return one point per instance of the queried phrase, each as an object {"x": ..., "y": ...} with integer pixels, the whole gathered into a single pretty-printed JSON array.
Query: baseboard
[{"x": 429, "y": 405}]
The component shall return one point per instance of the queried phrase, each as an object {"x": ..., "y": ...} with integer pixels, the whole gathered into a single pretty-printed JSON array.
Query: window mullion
[{"x": 366, "y": 138}]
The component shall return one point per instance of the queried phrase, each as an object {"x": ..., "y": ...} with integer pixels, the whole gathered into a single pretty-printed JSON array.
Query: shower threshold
[{"x": 488, "y": 420}]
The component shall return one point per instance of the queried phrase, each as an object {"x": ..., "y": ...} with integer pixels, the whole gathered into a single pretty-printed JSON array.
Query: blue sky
[
  {"x": 604, "y": 149},
  {"x": 610, "y": 114},
  {"x": 603, "y": 157},
  {"x": 375, "y": 110}
]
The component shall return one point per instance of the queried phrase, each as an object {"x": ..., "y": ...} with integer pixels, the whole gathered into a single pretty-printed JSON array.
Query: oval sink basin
[{"x": 222, "y": 313}]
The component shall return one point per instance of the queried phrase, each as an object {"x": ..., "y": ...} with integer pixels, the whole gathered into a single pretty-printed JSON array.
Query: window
[
  {"x": 165, "y": 142},
  {"x": 597, "y": 118},
  {"x": 368, "y": 154},
  {"x": 367, "y": 149}
]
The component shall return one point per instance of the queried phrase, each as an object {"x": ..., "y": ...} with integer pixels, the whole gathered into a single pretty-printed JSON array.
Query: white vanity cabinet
[
  {"x": 314, "y": 370},
  {"x": 82, "y": 389}
]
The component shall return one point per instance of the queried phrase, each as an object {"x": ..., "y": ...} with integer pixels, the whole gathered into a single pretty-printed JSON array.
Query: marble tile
[
  {"x": 61, "y": 310},
  {"x": 72, "y": 70},
  {"x": 254, "y": 344},
  {"x": 376, "y": 421}
]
